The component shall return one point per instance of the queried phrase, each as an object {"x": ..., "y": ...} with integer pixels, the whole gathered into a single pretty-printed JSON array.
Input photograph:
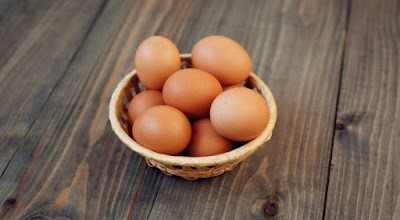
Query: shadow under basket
[{"x": 190, "y": 168}]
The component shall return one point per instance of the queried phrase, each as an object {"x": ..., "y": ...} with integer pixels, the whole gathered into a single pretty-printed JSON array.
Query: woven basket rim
[{"x": 236, "y": 154}]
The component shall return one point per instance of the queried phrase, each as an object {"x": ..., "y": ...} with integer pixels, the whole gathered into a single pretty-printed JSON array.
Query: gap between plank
[
  {"x": 344, "y": 44},
  {"x": 86, "y": 35}
]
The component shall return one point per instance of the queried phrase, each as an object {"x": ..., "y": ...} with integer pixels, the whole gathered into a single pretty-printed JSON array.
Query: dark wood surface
[
  {"x": 365, "y": 177},
  {"x": 333, "y": 66}
]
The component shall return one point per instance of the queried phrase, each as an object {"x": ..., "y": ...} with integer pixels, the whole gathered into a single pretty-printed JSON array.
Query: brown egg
[
  {"x": 143, "y": 101},
  {"x": 223, "y": 58},
  {"x": 233, "y": 86},
  {"x": 156, "y": 59},
  {"x": 163, "y": 129},
  {"x": 206, "y": 141},
  {"x": 192, "y": 91},
  {"x": 239, "y": 114}
]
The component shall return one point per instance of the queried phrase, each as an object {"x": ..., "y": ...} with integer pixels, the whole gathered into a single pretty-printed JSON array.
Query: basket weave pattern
[{"x": 189, "y": 168}]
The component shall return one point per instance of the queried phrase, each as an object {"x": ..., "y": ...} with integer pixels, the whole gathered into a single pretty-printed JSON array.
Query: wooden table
[{"x": 333, "y": 66}]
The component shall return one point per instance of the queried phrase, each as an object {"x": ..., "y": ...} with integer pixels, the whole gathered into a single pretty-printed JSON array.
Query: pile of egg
[{"x": 199, "y": 111}]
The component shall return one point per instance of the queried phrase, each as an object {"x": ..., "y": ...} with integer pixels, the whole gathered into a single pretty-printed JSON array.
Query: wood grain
[
  {"x": 5, "y": 6},
  {"x": 296, "y": 47},
  {"x": 39, "y": 39},
  {"x": 365, "y": 177},
  {"x": 61, "y": 60},
  {"x": 70, "y": 163}
]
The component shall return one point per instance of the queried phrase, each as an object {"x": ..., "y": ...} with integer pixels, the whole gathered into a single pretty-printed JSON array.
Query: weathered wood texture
[
  {"x": 365, "y": 176},
  {"x": 70, "y": 164},
  {"x": 38, "y": 41},
  {"x": 61, "y": 60},
  {"x": 296, "y": 47}
]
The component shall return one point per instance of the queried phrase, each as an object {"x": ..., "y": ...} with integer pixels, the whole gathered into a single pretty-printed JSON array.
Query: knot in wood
[
  {"x": 270, "y": 209},
  {"x": 339, "y": 125},
  {"x": 10, "y": 202},
  {"x": 270, "y": 206}
]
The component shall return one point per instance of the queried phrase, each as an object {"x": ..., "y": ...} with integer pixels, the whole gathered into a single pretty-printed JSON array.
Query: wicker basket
[{"x": 189, "y": 168}]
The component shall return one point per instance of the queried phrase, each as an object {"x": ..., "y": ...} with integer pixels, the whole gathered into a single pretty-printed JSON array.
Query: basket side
[{"x": 186, "y": 167}]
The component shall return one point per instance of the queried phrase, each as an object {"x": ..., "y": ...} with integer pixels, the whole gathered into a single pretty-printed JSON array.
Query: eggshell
[
  {"x": 192, "y": 91},
  {"x": 156, "y": 59},
  {"x": 163, "y": 129},
  {"x": 143, "y": 101},
  {"x": 222, "y": 57},
  {"x": 233, "y": 86},
  {"x": 206, "y": 141},
  {"x": 239, "y": 114}
]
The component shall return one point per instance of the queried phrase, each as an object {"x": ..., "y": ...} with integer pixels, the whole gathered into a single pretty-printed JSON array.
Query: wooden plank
[
  {"x": 17, "y": 20},
  {"x": 70, "y": 164},
  {"x": 296, "y": 48},
  {"x": 5, "y": 5},
  {"x": 365, "y": 178},
  {"x": 38, "y": 40}
]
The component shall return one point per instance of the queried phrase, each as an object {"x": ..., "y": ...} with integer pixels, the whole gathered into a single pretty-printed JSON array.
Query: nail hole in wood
[{"x": 177, "y": 167}]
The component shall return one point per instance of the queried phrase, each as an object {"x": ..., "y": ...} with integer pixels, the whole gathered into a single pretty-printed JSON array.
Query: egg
[
  {"x": 192, "y": 91},
  {"x": 143, "y": 101},
  {"x": 156, "y": 59},
  {"x": 239, "y": 114},
  {"x": 222, "y": 57},
  {"x": 206, "y": 141},
  {"x": 233, "y": 86},
  {"x": 163, "y": 129}
]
